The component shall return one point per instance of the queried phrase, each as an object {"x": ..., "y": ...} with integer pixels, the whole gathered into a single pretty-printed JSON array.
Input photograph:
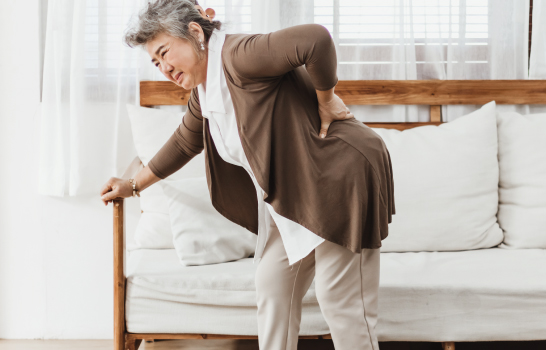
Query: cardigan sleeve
[
  {"x": 185, "y": 143},
  {"x": 273, "y": 54}
]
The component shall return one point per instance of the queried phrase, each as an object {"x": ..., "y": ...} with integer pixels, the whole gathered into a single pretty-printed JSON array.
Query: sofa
[{"x": 465, "y": 259}]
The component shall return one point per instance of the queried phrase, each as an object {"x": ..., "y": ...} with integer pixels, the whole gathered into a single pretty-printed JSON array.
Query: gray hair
[{"x": 171, "y": 17}]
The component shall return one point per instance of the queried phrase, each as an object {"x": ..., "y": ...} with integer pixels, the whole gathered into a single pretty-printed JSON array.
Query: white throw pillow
[
  {"x": 446, "y": 185},
  {"x": 522, "y": 186},
  {"x": 153, "y": 230},
  {"x": 151, "y": 128},
  {"x": 201, "y": 234}
]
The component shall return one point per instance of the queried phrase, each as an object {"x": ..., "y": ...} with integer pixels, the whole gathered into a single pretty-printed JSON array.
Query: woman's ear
[{"x": 196, "y": 30}]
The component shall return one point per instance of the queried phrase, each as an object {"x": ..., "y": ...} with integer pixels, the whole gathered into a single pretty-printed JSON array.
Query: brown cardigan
[{"x": 340, "y": 187}]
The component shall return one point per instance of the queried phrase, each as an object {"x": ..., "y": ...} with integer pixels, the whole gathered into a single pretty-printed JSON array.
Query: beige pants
[{"x": 346, "y": 286}]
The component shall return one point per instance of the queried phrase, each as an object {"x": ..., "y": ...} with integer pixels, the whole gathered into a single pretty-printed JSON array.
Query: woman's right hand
[{"x": 116, "y": 188}]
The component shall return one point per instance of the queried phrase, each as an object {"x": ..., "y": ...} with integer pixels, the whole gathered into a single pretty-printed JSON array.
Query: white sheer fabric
[
  {"x": 537, "y": 64},
  {"x": 537, "y": 61},
  {"x": 89, "y": 75}
]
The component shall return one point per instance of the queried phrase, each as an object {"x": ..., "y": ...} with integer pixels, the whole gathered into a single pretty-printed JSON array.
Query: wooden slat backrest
[
  {"x": 434, "y": 93},
  {"x": 441, "y": 92}
]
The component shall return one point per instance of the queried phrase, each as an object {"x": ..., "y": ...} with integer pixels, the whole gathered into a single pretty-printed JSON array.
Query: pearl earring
[{"x": 202, "y": 46}]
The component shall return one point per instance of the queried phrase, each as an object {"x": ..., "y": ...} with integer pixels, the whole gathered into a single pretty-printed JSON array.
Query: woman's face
[{"x": 177, "y": 60}]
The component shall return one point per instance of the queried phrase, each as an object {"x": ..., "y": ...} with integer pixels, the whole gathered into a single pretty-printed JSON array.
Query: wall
[{"x": 55, "y": 253}]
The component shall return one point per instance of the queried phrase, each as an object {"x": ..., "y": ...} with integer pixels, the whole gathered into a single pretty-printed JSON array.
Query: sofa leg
[
  {"x": 448, "y": 345},
  {"x": 132, "y": 344}
]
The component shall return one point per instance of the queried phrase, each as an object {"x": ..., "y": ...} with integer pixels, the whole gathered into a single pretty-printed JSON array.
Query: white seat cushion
[
  {"x": 445, "y": 185},
  {"x": 522, "y": 185},
  {"x": 477, "y": 295}
]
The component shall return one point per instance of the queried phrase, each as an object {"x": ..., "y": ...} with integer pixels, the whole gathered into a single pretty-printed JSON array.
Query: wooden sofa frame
[{"x": 434, "y": 93}]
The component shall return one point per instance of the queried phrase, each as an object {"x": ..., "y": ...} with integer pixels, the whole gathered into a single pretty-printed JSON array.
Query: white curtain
[
  {"x": 88, "y": 78},
  {"x": 537, "y": 61},
  {"x": 537, "y": 69},
  {"x": 89, "y": 75}
]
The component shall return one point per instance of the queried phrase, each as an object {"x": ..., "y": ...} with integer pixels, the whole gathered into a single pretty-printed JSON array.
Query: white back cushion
[
  {"x": 151, "y": 128},
  {"x": 522, "y": 186},
  {"x": 446, "y": 185},
  {"x": 153, "y": 230},
  {"x": 201, "y": 234}
]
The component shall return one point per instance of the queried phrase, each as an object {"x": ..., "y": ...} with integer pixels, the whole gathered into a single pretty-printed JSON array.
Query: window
[{"x": 369, "y": 33}]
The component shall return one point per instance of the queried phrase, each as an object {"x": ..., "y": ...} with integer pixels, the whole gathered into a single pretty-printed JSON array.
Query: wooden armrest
[{"x": 119, "y": 275}]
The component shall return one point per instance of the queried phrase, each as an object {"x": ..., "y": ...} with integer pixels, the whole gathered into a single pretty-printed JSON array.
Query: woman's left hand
[{"x": 330, "y": 111}]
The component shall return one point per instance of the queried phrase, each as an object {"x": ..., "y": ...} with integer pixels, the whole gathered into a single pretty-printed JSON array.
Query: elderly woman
[{"x": 285, "y": 158}]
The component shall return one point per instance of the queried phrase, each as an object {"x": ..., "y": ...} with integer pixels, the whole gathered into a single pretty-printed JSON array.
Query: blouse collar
[{"x": 213, "y": 101}]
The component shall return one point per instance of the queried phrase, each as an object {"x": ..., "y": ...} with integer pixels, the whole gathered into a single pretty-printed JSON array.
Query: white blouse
[{"x": 217, "y": 107}]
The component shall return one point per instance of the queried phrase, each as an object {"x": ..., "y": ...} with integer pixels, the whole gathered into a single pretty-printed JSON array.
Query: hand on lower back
[{"x": 331, "y": 111}]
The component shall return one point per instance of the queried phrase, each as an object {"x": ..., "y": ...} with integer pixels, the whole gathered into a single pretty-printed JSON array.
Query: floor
[{"x": 213, "y": 344}]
